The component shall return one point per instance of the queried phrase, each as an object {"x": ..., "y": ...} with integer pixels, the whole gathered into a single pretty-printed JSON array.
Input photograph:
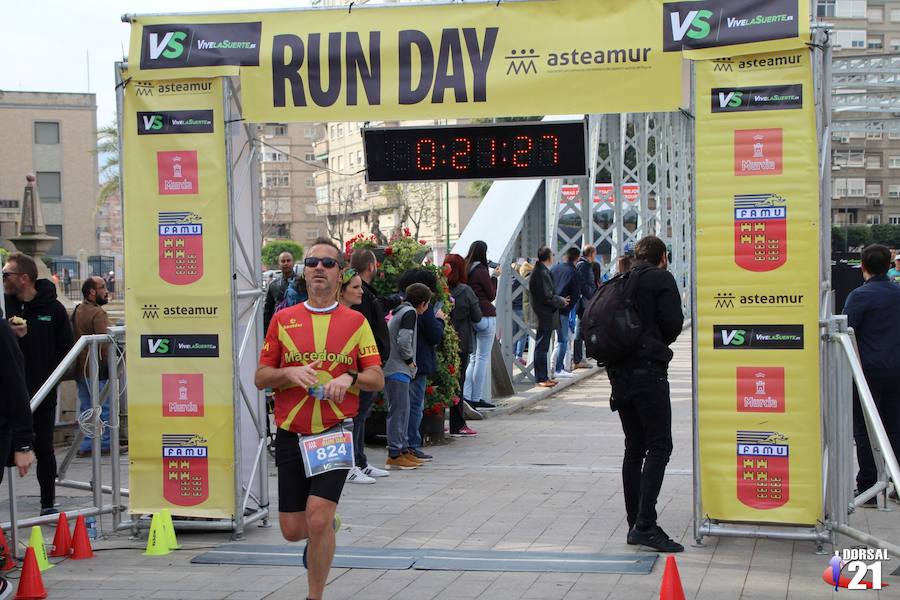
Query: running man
[{"x": 317, "y": 357}]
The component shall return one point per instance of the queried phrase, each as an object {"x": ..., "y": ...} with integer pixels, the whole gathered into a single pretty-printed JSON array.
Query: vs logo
[
  {"x": 170, "y": 46},
  {"x": 730, "y": 99},
  {"x": 694, "y": 25},
  {"x": 158, "y": 346},
  {"x": 152, "y": 122},
  {"x": 733, "y": 337}
]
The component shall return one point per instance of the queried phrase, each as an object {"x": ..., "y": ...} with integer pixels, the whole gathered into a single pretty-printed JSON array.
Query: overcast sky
[{"x": 45, "y": 44}]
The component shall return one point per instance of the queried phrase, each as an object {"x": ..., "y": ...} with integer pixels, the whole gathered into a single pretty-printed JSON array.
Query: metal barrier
[
  {"x": 843, "y": 371},
  {"x": 115, "y": 359}
]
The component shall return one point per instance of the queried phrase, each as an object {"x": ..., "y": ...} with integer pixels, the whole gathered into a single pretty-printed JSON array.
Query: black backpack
[{"x": 611, "y": 325}]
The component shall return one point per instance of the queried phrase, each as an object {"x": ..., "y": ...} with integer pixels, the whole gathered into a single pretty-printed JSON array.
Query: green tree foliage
[
  {"x": 108, "y": 151},
  {"x": 889, "y": 235},
  {"x": 846, "y": 239},
  {"x": 271, "y": 251}
]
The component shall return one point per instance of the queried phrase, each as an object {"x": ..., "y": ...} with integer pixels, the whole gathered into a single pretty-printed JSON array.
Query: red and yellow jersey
[{"x": 341, "y": 338}]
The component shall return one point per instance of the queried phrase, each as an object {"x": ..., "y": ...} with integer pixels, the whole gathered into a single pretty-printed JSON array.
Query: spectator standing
[
  {"x": 429, "y": 334},
  {"x": 16, "y": 433},
  {"x": 546, "y": 304},
  {"x": 894, "y": 273},
  {"x": 640, "y": 394},
  {"x": 399, "y": 371},
  {"x": 566, "y": 285},
  {"x": 111, "y": 283},
  {"x": 67, "y": 281},
  {"x": 518, "y": 306},
  {"x": 364, "y": 263},
  {"x": 485, "y": 288},
  {"x": 89, "y": 318},
  {"x": 45, "y": 338},
  {"x": 465, "y": 314},
  {"x": 587, "y": 284},
  {"x": 278, "y": 287},
  {"x": 868, "y": 309}
]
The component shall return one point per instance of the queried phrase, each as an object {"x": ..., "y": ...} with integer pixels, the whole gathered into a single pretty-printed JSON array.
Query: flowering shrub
[{"x": 403, "y": 253}]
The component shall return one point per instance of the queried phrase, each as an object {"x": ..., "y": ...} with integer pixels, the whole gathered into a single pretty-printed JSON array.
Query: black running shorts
[{"x": 294, "y": 487}]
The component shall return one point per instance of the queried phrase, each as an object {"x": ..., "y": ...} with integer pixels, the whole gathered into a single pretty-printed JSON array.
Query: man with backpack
[{"x": 629, "y": 326}]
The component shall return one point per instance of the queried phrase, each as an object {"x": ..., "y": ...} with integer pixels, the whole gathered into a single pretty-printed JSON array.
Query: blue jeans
[
  {"x": 477, "y": 374},
  {"x": 578, "y": 350},
  {"x": 84, "y": 403},
  {"x": 397, "y": 394},
  {"x": 519, "y": 347},
  {"x": 416, "y": 407},
  {"x": 366, "y": 400},
  {"x": 562, "y": 345}
]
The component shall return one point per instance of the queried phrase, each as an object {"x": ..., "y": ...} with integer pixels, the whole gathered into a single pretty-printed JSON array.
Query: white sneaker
[
  {"x": 374, "y": 472},
  {"x": 562, "y": 374},
  {"x": 355, "y": 475}
]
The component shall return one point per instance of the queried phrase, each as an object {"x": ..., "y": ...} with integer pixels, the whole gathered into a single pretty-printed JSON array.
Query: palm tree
[{"x": 108, "y": 151}]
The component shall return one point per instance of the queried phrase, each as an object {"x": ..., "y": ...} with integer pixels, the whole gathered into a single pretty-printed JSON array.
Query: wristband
[
  {"x": 353, "y": 375},
  {"x": 23, "y": 449}
]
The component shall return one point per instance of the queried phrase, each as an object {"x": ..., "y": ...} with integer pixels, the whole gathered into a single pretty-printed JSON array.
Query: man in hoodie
[
  {"x": 399, "y": 371},
  {"x": 45, "y": 337},
  {"x": 15, "y": 414}
]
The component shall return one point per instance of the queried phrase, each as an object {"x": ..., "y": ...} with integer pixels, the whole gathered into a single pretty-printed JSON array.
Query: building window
[
  {"x": 46, "y": 133},
  {"x": 873, "y": 219},
  {"x": 856, "y": 187},
  {"x": 873, "y": 190},
  {"x": 875, "y": 42},
  {"x": 895, "y": 44},
  {"x": 894, "y": 191},
  {"x": 873, "y": 135},
  {"x": 340, "y": 130},
  {"x": 273, "y": 129},
  {"x": 894, "y": 219},
  {"x": 856, "y": 158},
  {"x": 359, "y": 157},
  {"x": 57, "y": 248},
  {"x": 350, "y": 158},
  {"x": 873, "y": 161},
  {"x": 894, "y": 162},
  {"x": 895, "y": 15},
  {"x": 894, "y": 135},
  {"x": 839, "y": 187},
  {"x": 278, "y": 179},
  {"x": 50, "y": 189},
  {"x": 310, "y": 181},
  {"x": 309, "y": 132},
  {"x": 825, "y": 8},
  {"x": 875, "y": 14},
  {"x": 312, "y": 234},
  {"x": 309, "y": 156}
]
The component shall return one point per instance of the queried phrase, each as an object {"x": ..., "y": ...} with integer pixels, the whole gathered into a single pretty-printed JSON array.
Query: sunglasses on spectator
[
  {"x": 7, "y": 274},
  {"x": 313, "y": 261}
]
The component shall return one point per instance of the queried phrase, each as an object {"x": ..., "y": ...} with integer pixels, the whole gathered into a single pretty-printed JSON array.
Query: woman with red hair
[{"x": 466, "y": 312}]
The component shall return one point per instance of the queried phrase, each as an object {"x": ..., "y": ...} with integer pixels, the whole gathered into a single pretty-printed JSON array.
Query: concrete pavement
[{"x": 545, "y": 478}]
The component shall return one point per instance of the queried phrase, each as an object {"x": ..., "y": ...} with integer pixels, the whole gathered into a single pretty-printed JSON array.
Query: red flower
[
  {"x": 451, "y": 369},
  {"x": 455, "y": 398},
  {"x": 422, "y": 242},
  {"x": 406, "y": 232},
  {"x": 429, "y": 390},
  {"x": 388, "y": 251}
]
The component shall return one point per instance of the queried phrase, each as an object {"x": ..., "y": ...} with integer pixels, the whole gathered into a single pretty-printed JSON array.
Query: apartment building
[
  {"x": 287, "y": 177},
  {"x": 53, "y": 135},
  {"x": 865, "y": 144},
  {"x": 436, "y": 212}
]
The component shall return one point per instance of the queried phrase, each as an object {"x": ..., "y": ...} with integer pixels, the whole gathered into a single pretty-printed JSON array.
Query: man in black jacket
[
  {"x": 545, "y": 304},
  {"x": 372, "y": 307},
  {"x": 566, "y": 283},
  {"x": 277, "y": 288},
  {"x": 15, "y": 413},
  {"x": 587, "y": 285},
  {"x": 640, "y": 394},
  {"x": 45, "y": 337}
]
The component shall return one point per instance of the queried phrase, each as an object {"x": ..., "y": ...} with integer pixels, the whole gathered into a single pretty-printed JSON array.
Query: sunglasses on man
[{"x": 313, "y": 261}]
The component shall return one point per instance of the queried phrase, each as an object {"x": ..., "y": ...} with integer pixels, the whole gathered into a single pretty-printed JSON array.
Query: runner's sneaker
[
  {"x": 404, "y": 462},
  {"x": 654, "y": 538},
  {"x": 464, "y": 432},
  {"x": 355, "y": 475},
  {"x": 336, "y": 523},
  {"x": 375, "y": 472},
  {"x": 562, "y": 374},
  {"x": 421, "y": 455}
]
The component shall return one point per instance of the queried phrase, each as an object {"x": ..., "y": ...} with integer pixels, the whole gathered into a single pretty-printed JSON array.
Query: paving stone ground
[{"x": 545, "y": 478}]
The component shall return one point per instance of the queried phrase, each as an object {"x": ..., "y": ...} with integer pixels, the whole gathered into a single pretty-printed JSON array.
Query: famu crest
[{"x": 180, "y": 247}]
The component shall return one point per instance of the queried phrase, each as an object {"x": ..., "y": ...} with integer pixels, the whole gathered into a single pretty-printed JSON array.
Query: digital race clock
[{"x": 491, "y": 151}]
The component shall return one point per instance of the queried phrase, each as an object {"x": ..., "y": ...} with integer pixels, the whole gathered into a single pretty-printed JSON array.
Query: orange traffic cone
[
  {"x": 81, "y": 543},
  {"x": 31, "y": 586},
  {"x": 62, "y": 541},
  {"x": 671, "y": 582},
  {"x": 8, "y": 562}
]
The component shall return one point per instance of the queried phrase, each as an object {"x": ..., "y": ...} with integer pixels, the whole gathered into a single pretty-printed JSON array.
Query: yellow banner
[
  {"x": 439, "y": 61},
  {"x": 758, "y": 289},
  {"x": 178, "y": 299}
]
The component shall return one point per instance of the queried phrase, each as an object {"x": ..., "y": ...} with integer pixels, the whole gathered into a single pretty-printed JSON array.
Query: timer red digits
[
  {"x": 466, "y": 144},
  {"x": 522, "y": 151},
  {"x": 426, "y": 155}
]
